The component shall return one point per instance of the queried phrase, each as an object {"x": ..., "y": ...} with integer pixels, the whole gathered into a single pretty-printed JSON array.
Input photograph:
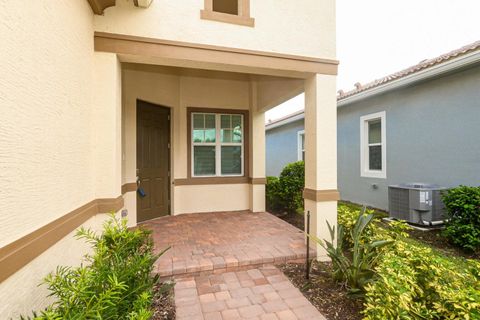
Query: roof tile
[{"x": 422, "y": 65}]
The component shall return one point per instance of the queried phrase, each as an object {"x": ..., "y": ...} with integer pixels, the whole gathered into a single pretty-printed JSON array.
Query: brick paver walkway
[
  {"x": 262, "y": 293},
  {"x": 223, "y": 266},
  {"x": 204, "y": 242}
]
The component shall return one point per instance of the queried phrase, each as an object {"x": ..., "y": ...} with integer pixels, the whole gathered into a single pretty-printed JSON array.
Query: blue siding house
[
  {"x": 284, "y": 142},
  {"x": 421, "y": 124}
]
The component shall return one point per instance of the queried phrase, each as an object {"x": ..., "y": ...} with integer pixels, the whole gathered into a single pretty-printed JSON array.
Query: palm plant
[{"x": 355, "y": 270}]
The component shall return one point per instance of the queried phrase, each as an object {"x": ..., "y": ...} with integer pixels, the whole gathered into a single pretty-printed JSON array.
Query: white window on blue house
[
  {"x": 373, "y": 145},
  {"x": 217, "y": 145},
  {"x": 301, "y": 145}
]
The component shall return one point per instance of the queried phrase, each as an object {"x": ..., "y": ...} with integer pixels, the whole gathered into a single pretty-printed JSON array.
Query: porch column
[
  {"x": 257, "y": 154},
  {"x": 107, "y": 125},
  {"x": 320, "y": 192}
]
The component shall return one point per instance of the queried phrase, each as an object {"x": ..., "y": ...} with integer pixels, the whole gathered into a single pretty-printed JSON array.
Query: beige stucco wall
[
  {"x": 107, "y": 125},
  {"x": 304, "y": 27},
  {"x": 58, "y": 137},
  {"x": 21, "y": 293},
  {"x": 46, "y": 158},
  {"x": 179, "y": 89},
  {"x": 208, "y": 198}
]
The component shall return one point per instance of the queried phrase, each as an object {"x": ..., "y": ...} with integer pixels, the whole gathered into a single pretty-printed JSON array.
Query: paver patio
[
  {"x": 261, "y": 293},
  {"x": 213, "y": 242}
]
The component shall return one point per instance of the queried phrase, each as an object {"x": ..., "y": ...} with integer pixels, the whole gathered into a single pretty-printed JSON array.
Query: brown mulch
[
  {"x": 328, "y": 297},
  {"x": 163, "y": 302},
  {"x": 294, "y": 219}
]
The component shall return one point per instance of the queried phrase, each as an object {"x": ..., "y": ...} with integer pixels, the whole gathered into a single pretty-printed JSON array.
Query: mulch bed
[
  {"x": 294, "y": 219},
  {"x": 328, "y": 297},
  {"x": 163, "y": 302}
]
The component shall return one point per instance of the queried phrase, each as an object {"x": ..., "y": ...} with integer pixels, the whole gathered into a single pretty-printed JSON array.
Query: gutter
[{"x": 428, "y": 73}]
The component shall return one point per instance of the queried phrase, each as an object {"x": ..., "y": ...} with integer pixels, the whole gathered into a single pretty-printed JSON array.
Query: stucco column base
[
  {"x": 320, "y": 213},
  {"x": 257, "y": 197}
]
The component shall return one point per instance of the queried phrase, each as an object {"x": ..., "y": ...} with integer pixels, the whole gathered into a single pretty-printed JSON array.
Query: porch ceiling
[{"x": 270, "y": 90}]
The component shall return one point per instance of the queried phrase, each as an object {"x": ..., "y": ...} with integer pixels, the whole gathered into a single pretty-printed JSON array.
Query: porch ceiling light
[{"x": 98, "y": 6}]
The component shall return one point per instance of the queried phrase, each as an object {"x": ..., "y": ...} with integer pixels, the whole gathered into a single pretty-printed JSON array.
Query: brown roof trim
[
  {"x": 168, "y": 49},
  {"x": 423, "y": 65},
  {"x": 98, "y": 6},
  {"x": 19, "y": 253}
]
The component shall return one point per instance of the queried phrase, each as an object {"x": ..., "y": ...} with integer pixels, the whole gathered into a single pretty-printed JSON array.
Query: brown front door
[{"x": 153, "y": 161}]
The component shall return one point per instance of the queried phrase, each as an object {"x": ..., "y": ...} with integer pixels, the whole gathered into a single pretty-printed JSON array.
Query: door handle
[{"x": 140, "y": 190}]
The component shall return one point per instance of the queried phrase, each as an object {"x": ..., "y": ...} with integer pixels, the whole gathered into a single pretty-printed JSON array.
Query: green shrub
[
  {"x": 463, "y": 213},
  {"x": 272, "y": 193},
  {"x": 356, "y": 271},
  {"x": 291, "y": 185},
  {"x": 416, "y": 282},
  {"x": 285, "y": 193},
  {"x": 115, "y": 282}
]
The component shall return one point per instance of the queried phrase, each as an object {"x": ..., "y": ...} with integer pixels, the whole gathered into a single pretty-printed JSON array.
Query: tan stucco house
[{"x": 101, "y": 98}]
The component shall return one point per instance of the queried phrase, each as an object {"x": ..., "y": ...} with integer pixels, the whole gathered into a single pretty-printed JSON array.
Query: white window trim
[
  {"x": 364, "y": 154},
  {"x": 299, "y": 145},
  {"x": 218, "y": 146}
]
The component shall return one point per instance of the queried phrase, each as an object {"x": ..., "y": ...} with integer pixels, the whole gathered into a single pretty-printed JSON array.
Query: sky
[{"x": 379, "y": 37}]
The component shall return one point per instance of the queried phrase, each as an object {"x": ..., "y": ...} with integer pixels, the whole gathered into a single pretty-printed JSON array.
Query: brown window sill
[
  {"x": 227, "y": 18},
  {"x": 212, "y": 180}
]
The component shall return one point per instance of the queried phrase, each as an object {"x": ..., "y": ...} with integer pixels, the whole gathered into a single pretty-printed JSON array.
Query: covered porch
[{"x": 200, "y": 147}]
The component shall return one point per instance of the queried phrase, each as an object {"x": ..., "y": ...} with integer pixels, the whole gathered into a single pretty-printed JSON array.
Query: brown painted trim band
[
  {"x": 129, "y": 187},
  {"x": 212, "y": 180},
  {"x": 20, "y": 252},
  {"x": 258, "y": 180},
  {"x": 321, "y": 195},
  {"x": 99, "y": 5},
  {"x": 168, "y": 49}
]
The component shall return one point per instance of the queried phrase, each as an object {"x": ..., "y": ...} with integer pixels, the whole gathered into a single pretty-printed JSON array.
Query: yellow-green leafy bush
[
  {"x": 348, "y": 216},
  {"x": 412, "y": 280},
  {"x": 416, "y": 282}
]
